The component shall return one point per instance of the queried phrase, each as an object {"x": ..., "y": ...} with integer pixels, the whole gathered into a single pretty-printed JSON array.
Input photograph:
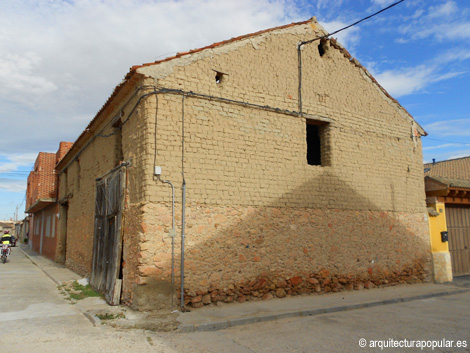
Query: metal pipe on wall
[
  {"x": 183, "y": 309},
  {"x": 173, "y": 232}
]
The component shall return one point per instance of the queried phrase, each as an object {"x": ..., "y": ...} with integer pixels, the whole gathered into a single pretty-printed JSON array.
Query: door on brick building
[
  {"x": 107, "y": 239},
  {"x": 458, "y": 226}
]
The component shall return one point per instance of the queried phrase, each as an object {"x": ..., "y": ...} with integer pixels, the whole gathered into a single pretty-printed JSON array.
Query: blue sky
[{"x": 61, "y": 59}]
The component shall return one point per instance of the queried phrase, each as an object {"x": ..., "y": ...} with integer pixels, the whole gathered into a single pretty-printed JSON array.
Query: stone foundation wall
[
  {"x": 318, "y": 282},
  {"x": 247, "y": 253}
]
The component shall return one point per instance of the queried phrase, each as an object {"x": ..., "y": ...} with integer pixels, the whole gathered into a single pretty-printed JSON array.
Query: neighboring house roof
[
  {"x": 451, "y": 183},
  {"x": 449, "y": 179},
  {"x": 133, "y": 76},
  {"x": 458, "y": 168}
]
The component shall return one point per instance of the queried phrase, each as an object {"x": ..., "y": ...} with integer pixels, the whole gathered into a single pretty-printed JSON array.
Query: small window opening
[
  {"x": 313, "y": 144},
  {"x": 322, "y": 47},
  {"x": 219, "y": 77}
]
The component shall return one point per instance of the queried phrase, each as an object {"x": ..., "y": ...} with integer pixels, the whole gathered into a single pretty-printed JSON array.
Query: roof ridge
[{"x": 217, "y": 44}]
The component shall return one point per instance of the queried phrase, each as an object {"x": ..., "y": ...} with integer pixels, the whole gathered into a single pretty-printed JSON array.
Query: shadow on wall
[{"x": 239, "y": 253}]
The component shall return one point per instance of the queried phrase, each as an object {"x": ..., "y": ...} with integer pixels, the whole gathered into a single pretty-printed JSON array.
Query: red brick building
[{"x": 41, "y": 201}]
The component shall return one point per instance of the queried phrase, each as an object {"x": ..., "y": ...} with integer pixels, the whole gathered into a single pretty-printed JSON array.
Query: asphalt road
[
  {"x": 35, "y": 317},
  {"x": 436, "y": 319}
]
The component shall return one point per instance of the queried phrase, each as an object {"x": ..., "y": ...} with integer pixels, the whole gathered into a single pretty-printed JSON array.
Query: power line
[
  {"x": 353, "y": 24},
  {"x": 24, "y": 199},
  {"x": 299, "y": 47}
]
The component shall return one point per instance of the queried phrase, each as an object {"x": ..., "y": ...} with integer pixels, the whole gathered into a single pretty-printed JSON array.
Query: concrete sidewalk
[
  {"x": 57, "y": 272},
  {"x": 216, "y": 317}
]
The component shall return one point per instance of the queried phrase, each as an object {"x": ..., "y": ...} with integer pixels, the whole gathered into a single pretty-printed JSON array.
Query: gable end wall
[{"x": 260, "y": 221}]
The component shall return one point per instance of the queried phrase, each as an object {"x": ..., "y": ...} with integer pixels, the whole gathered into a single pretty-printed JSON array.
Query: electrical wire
[
  {"x": 24, "y": 199},
  {"x": 353, "y": 24},
  {"x": 161, "y": 90},
  {"x": 192, "y": 94},
  {"x": 299, "y": 47},
  {"x": 18, "y": 173}
]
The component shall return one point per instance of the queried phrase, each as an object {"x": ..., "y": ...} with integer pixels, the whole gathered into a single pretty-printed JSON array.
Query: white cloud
[
  {"x": 460, "y": 154},
  {"x": 11, "y": 163},
  {"x": 457, "y": 55},
  {"x": 382, "y": 3},
  {"x": 61, "y": 60},
  {"x": 348, "y": 38},
  {"x": 19, "y": 74},
  {"x": 408, "y": 80},
  {"x": 443, "y": 22},
  {"x": 12, "y": 185},
  {"x": 456, "y": 31},
  {"x": 446, "y": 145},
  {"x": 458, "y": 128},
  {"x": 404, "y": 81},
  {"x": 447, "y": 9}
]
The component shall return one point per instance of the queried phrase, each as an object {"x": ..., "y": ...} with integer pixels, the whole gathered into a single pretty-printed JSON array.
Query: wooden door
[
  {"x": 107, "y": 238},
  {"x": 458, "y": 226}
]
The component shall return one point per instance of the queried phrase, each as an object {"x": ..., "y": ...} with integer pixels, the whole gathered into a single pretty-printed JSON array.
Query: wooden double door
[{"x": 106, "y": 275}]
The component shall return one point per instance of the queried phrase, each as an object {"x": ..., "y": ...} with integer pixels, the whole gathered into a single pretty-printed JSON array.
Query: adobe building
[
  {"x": 257, "y": 167},
  {"x": 447, "y": 186},
  {"x": 7, "y": 226},
  {"x": 41, "y": 203}
]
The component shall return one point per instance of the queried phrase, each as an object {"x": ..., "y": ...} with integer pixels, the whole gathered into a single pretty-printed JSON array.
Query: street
[
  {"x": 35, "y": 317},
  {"x": 430, "y": 319}
]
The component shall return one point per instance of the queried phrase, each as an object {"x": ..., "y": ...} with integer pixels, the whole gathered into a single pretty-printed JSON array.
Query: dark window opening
[
  {"x": 313, "y": 144},
  {"x": 219, "y": 77},
  {"x": 323, "y": 47}
]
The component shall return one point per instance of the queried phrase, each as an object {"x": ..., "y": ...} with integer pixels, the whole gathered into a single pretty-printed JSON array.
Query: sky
[{"x": 61, "y": 59}]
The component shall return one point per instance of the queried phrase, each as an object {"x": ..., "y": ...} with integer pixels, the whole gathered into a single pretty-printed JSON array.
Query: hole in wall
[
  {"x": 322, "y": 47},
  {"x": 219, "y": 77}
]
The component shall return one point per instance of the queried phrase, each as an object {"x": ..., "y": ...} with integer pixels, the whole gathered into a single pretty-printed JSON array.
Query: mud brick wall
[
  {"x": 77, "y": 183},
  {"x": 260, "y": 221}
]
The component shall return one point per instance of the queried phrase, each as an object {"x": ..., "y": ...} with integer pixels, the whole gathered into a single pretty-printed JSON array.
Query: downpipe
[
  {"x": 183, "y": 309},
  {"x": 173, "y": 231}
]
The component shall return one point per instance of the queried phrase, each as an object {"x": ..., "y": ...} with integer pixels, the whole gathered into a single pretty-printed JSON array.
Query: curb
[
  {"x": 220, "y": 325},
  {"x": 95, "y": 320},
  {"x": 37, "y": 265}
]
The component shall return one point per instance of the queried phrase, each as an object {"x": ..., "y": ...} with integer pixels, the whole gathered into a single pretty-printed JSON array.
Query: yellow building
[{"x": 447, "y": 186}]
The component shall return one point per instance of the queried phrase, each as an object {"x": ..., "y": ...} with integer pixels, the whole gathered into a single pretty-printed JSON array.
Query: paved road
[
  {"x": 431, "y": 319},
  {"x": 34, "y": 317}
]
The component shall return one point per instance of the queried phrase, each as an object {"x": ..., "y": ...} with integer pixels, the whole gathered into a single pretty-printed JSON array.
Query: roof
[
  {"x": 451, "y": 183},
  {"x": 452, "y": 169},
  {"x": 133, "y": 76},
  {"x": 218, "y": 44},
  {"x": 449, "y": 180}
]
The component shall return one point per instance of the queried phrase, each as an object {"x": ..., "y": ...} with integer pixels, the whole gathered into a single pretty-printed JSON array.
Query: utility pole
[{"x": 16, "y": 218}]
